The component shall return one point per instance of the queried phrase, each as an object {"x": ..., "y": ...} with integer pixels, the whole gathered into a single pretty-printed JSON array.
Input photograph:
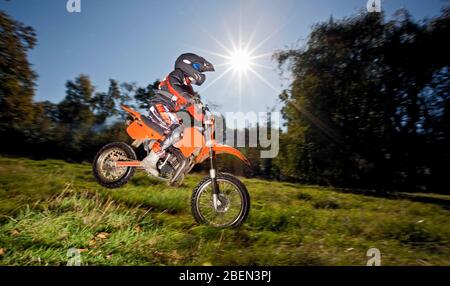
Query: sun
[{"x": 240, "y": 60}]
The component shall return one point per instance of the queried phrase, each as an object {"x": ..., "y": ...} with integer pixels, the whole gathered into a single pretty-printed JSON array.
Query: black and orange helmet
[{"x": 193, "y": 66}]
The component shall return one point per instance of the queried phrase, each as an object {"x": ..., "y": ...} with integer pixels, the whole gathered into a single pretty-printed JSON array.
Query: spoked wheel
[
  {"x": 232, "y": 204},
  {"x": 105, "y": 171}
]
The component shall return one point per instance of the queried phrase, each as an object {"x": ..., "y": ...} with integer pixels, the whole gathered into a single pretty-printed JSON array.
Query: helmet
[{"x": 193, "y": 66}]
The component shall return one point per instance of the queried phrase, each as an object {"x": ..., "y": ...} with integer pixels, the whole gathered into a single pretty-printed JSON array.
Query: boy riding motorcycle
[{"x": 175, "y": 93}]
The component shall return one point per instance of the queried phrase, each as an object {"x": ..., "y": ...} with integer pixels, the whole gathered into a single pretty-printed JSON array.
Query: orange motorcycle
[{"x": 220, "y": 200}]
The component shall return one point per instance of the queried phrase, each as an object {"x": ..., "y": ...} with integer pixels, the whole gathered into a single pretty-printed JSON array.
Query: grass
[{"x": 49, "y": 207}]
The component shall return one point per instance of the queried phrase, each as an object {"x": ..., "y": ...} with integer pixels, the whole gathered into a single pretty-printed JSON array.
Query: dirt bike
[{"x": 220, "y": 200}]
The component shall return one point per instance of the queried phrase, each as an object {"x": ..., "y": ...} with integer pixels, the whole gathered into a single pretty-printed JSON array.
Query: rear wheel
[
  {"x": 233, "y": 202},
  {"x": 105, "y": 171}
]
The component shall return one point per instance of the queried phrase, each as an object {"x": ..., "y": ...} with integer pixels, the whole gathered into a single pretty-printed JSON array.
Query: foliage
[
  {"x": 369, "y": 103},
  {"x": 16, "y": 77}
]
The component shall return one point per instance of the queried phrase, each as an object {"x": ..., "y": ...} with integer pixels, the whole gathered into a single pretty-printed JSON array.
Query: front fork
[{"x": 213, "y": 176}]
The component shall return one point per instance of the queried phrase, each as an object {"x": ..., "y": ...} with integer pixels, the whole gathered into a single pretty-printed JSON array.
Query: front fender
[{"x": 222, "y": 149}]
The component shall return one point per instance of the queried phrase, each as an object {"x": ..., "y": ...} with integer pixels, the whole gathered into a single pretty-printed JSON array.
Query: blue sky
[{"x": 139, "y": 40}]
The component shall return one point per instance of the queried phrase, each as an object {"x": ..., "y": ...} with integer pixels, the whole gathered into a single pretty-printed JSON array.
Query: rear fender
[{"x": 133, "y": 113}]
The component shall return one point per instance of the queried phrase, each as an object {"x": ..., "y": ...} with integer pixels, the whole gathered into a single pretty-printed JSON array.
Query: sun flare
[{"x": 240, "y": 60}]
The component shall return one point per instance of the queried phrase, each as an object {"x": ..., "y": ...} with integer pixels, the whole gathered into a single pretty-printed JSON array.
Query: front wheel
[{"x": 233, "y": 202}]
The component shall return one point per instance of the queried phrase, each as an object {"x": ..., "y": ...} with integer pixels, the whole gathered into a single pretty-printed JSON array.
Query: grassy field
[{"x": 48, "y": 207}]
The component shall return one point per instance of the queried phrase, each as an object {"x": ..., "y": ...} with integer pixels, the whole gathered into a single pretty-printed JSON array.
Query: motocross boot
[
  {"x": 159, "y": 150},
  {"x": 150, "y": 162}
]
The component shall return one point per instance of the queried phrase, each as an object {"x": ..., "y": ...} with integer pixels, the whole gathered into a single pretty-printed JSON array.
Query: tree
[
  {"x": 75, "y": 113},
  {"x": 364, "y": 103},
  {"x": 144, "y": 95},
  {"x": 104, "y": 103},
  {"x": 75, "y": 109},
  {"x": 17, "y": 79}
]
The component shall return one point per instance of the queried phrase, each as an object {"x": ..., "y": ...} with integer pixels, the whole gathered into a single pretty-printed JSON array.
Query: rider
[{"x": 175, "y": 93}]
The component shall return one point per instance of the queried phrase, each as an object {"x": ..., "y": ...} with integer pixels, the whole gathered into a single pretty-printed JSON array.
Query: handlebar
[{"x": 205, "y": 107}]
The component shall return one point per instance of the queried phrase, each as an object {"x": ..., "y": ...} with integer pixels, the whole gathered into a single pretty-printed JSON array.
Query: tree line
[{"x": 368, "y": 106}]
